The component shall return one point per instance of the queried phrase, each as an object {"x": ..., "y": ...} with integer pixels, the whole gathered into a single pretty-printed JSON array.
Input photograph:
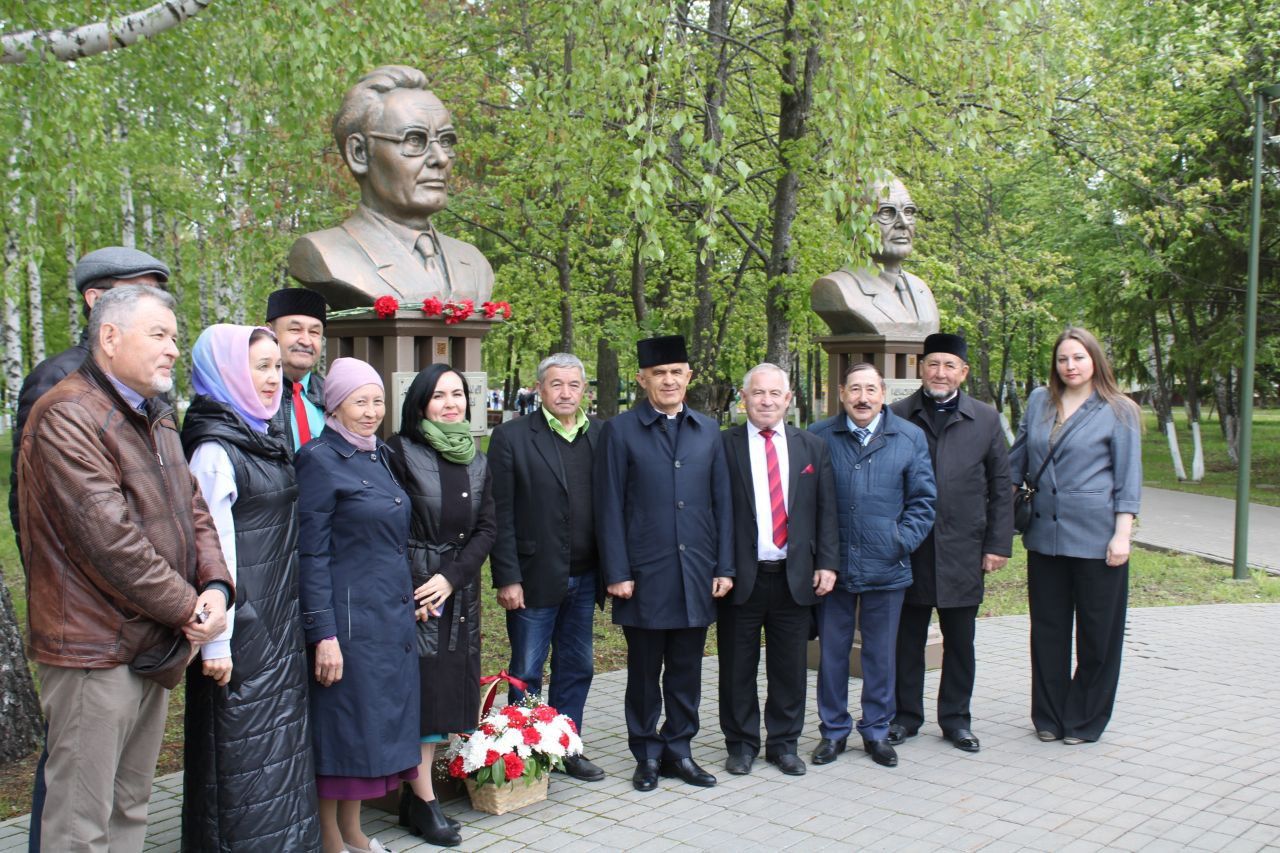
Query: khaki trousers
[{"x": 105, "y": 731}]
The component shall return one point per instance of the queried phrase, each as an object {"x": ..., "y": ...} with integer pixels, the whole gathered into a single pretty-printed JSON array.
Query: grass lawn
[
  {"x": 1219, "y": 471},
  {"x": 1156, "y": 579}
]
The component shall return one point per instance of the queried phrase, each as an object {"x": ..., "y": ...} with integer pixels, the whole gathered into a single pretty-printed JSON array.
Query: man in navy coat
[
  {"x": 664, "y": 524},
  {"x": 885, "y": 493}
]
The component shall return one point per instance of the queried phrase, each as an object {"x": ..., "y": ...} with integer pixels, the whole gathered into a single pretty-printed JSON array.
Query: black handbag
[{"x": 1022, "y": 512}]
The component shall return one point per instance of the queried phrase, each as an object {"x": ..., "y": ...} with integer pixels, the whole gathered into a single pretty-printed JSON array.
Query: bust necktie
[
  {"x": 432, "y": 263},
  {"x": 777, "y": 504}
]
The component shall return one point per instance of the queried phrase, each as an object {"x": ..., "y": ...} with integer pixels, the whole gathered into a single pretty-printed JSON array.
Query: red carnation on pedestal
[
  {"x": 386, "y": 306},
  {"x": 432, "y": 306}
]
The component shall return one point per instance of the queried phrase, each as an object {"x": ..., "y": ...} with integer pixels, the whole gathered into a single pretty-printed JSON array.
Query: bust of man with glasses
[
  {"x": 398, "y": 140},
  {"x": 881, "y": 299}
]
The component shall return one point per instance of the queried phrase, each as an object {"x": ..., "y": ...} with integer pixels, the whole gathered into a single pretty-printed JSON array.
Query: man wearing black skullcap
[
  {"x": 298, "y": 316},
  {"x": 972, "y": 536},
  {"x": 95, "y": 274},
  {"x": 664, "y": 523}
]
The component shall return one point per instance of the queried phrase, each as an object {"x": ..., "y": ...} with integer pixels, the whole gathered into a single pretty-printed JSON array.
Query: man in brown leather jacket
[{"x": 125, "y": 576}]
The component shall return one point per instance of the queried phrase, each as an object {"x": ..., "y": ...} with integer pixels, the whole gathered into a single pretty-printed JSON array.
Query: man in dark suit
[
  {"x": 544, "y": 567},
  {"x": 665, "y": 531},
  {"x": 785, "y": 544},
  {"x": 972, "y": 536}
]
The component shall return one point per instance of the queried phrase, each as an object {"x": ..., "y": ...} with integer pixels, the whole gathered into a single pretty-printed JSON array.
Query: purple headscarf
[
  {"x": 222, "y": 371},
  {"x": 344, "y": 376}
]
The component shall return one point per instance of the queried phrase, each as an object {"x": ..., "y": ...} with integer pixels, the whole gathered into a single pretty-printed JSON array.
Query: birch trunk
[
  {"x": 72, "y": 253},
  {"x": 91, "y": 39},
  {"x": 203, "y": 281},
  {"x": 1171, "y": 433},
  {"x": 20, "y": 719},
  {"x": 35, "y": 293},
  {"x": 11, "y": 338},
  {"x": 128, "y": 224}
]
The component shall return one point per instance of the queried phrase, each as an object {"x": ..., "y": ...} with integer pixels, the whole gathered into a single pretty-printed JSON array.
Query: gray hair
[
  {"x": 561, "y": 359},
  {"x": 766, "y": 365},
  {"x": 118, "y": 305},
  {"x": 362, "y": 104}
]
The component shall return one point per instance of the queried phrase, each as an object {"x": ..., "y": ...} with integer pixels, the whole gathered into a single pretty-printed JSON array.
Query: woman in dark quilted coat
[
  {"x": 452, "y": 532},
  {"x": 249, "y": 783}
]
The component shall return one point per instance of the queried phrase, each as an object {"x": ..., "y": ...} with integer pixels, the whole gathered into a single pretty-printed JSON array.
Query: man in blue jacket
[
  {"x": 664, "y": 526},
  {"x": 885, "y": 494}
]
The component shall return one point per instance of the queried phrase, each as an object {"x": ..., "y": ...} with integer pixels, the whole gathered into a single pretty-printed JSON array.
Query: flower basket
[
  {"x": 505, "y": 762},
  {"x": 507, "y": 797}
]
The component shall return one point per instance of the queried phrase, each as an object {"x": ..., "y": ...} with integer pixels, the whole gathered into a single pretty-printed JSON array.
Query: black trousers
[
  {"x": 786, "y": 630},
  {"x": 958, "y": 666},
  {"x": 664, "y": 667},
  {"x": 1093, "y": 596}
]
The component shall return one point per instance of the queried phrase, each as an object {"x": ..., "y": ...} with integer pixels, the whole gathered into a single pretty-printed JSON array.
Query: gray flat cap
[{"x": 117, "y": 262}]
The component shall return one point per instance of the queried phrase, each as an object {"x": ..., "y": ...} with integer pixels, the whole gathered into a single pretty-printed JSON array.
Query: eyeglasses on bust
[
  {"x": 887, "y": 213},
  {"x": 415, "y": 141}
]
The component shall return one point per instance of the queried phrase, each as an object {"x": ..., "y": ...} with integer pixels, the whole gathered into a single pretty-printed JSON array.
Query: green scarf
[{"x": 453, "y": 441}]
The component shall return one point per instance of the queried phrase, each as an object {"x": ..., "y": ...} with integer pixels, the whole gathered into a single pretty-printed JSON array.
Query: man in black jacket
[
  {"x": 786, "y": 541},
  {"x": 95, "y": 274},
  {"x": 972, "y": 536},
  {"x": 298, "y": 316},
  {"x": 545, "y": 563}
]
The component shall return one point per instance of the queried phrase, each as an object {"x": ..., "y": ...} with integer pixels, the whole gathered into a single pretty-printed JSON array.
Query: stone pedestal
[
  {"x": 894, "y": 357},
  {"x": 399, "y": 347}
]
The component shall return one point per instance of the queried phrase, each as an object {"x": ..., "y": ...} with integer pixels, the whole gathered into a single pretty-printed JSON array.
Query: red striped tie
[{"x": 776, "y": 502}]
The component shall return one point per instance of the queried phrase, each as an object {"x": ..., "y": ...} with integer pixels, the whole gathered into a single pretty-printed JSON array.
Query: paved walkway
[
  {"x": 1189, "y": 762},
  {"x": 1205, "y": 526}
]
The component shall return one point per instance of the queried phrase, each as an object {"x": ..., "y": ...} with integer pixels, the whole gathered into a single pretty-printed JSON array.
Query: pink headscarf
[
  {"x": 222, "y": 371},
  {"x": 344, "y": 376}
]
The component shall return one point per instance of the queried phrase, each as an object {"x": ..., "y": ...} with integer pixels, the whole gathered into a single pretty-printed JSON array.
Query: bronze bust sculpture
[
  {"x": 882, "y": 299},
  {"x": 398, "y": 140}
]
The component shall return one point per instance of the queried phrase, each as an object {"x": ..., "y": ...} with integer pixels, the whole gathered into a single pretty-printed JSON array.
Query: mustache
[{"x": 303, "y": 348}]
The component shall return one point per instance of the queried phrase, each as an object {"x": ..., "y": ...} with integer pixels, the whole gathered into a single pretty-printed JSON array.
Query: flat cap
[{"x": 114, "y": 262}]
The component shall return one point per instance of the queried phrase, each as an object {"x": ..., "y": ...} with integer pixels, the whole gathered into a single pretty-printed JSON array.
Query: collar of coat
[
  {"x": 339, "y": 445},
  {"x": 888, "y": 423},
  {"x": 157, "y": 408},
  {"x": 923, "y": 404},
  {"x": 649, "y": 415}
]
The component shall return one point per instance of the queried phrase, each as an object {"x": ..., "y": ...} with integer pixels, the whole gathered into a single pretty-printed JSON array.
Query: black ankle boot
[
  {"x": 407, "y": 796},
  {"x": 427, "y": 820}
]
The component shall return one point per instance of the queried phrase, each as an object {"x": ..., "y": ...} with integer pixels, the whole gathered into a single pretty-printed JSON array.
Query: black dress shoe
[
  {"x": 828, "y": 749},
  {"x": 881, "y": 753},
  {"x": 646, "y": 776},
  {"x": 687, "y": 770},
  {"x": 427, "y": 820},
  {"x": 739, "y": 765},
  {"x": 898, "y": 734},
  {"x": 788, "y": 762},
  {"x": 963, "y": 739},
  {"x": 579, "y": 767}
]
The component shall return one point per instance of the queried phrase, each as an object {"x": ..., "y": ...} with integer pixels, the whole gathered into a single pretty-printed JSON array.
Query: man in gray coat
[{"x": 972, "y": 536}]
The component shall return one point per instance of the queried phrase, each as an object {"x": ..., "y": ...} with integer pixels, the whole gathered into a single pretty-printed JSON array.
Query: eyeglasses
[
  {"x": 888, "y": 214},
  {"x": 415, "y": 142}
]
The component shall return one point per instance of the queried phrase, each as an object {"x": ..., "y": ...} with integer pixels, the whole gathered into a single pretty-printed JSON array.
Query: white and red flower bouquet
[{"x": 524, "y": 741}]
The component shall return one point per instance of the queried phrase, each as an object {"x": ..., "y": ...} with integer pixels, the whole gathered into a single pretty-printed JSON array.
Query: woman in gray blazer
[{"x": 1078, "y": 540}]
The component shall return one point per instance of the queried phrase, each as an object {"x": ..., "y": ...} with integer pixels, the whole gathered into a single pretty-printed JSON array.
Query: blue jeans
[{"x": 565, "y": 631}]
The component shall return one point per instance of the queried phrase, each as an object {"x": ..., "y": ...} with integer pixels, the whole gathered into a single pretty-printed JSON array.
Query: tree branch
[{"x": 91, "y": 39}]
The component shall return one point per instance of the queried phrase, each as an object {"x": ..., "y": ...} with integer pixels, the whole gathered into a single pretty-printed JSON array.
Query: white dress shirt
[
  {"x": 765, "y": 549},
  {"x": 212, "y": 468}
]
